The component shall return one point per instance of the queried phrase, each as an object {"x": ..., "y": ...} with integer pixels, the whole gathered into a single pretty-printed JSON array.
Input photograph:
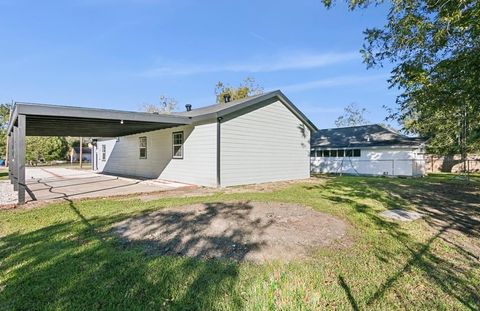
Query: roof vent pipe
[
  {"x": 188, "y": 107},
  {"x": 226, "y": 98}
]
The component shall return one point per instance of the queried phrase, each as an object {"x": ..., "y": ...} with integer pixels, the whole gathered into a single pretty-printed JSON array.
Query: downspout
[{"x": 219, "y": 182}]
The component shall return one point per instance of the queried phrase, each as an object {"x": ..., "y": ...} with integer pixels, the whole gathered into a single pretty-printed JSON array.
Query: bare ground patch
[{"x": 253, "y": 231}]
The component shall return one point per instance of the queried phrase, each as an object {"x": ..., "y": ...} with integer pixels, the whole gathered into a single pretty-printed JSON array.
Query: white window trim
[
  {"x": 175, "y": 145},
  {"x": 140, "y": 147},
  {"x": 103, "y": 150}
]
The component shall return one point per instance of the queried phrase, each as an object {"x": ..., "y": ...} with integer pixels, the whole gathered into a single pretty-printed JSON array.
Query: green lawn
[
  {"x": 63, "y": 256},
  {"x": 3, "y": 174}
]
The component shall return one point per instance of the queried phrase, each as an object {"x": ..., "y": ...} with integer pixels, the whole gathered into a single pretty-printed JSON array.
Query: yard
[
  {"x": 66, "y": 255},
  {"x": 3, "y": 173}
]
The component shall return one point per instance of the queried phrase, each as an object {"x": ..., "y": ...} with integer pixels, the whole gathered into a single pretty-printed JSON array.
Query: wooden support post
[
  {"x": 10, "y": 156},
  {"x": 20, "y": 158},
  {"x": 7, "y": 154},
  {"x": 15, "y": 160}
]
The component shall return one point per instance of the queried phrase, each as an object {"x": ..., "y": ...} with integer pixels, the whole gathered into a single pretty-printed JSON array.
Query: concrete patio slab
[{"x": 63, "y": 183}]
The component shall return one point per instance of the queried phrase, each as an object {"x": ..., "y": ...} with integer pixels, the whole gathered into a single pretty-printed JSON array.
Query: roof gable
[{"x": 220, "y": 110}]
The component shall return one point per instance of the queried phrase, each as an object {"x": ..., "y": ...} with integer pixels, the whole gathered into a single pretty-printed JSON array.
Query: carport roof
[{"x": 53, "y": 120}]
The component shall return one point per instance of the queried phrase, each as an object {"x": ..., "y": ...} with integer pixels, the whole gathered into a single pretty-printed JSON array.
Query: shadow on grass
[
  {"x": 3, "y": 174},
  {"x": 348, "y": 292},
  {"x": 449, "y": 208},
  {"x": 79, "y": 265}
]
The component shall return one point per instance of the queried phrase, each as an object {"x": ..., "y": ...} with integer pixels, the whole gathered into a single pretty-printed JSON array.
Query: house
[
  {"x": 74, "y": 154},
  {"x": 258, "y": 139},
  {"x": 366, "y": 150}
]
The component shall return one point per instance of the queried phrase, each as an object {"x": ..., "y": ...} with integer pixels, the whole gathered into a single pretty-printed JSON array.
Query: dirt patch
[
  {"x": 252, "y": 231},
  {"x": 207, "y": 191}
]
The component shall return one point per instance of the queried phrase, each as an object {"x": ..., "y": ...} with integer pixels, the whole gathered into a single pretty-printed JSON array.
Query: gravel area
[
  {"x": 7, "y": 195},
  {"x": 252, "y": 231}
]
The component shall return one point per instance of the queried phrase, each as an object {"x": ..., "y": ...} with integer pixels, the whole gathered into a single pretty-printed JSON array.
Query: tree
[
  {"x": 248, "y": 87},
  {"x": 435, "y": 48},
  {"x": 352, "y": 116},
  {"x": 46, "y": 148},
  {"x": 4, "y": 116},
  {"x": 166, "y": 105}
]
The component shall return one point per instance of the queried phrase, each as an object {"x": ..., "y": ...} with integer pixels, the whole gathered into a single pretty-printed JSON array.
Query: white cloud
[
  {"x": 290, "y": 61},
  {"x": 331, "y": 82}
]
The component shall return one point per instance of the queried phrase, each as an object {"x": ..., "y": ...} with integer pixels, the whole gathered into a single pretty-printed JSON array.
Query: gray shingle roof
[
  {"x": 373, "y": 135},
  {"x": 219, "y": 110}
]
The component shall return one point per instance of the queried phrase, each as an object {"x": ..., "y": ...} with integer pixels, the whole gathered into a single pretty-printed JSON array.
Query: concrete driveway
[{"x": 57, "y": 183}]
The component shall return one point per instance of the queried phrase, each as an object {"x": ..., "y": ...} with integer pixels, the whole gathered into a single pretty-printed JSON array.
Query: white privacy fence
[{"x": 389, "y": 167}]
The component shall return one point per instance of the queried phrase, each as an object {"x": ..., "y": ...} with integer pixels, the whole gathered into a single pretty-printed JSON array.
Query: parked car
[{"x": 2, "y": 162}]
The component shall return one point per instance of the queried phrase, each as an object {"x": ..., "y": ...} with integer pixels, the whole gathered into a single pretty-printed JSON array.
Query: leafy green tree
[
  {"x": 46, "y": 148},
  {"x": 352, "y": 116},
  {"x": 435, "y": 48},
  {"x": 248, "y": 87}
]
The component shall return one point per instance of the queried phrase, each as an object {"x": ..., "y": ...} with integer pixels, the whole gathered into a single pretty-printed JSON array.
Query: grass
[
  {"x": 63, "y": 256},
  {"x": 3, "y": 174}
]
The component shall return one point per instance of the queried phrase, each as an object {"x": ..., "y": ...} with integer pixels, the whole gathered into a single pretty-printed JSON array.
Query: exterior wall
[
  {"x": 263, "y": 145},
  {"x": 99, "y": 164},
  {"x": 198, "y": 165},
  {"x": 374, "y": 161}
]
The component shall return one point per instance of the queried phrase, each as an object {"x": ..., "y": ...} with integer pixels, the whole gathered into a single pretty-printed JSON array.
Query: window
[
  {"x": 349, "y": 153},
  {"x": 319, "y": 153},
  {"x": 142, "y": 147},
  {"x": 341, "y": 153},
  {"x": 104, "y": 152},
  {"x": 326, "y": 153},
  {"x": 312, "y": 153},
  {"x": 356, "y": 152},
  {"x": 177, "y": 140},
  {"x": 333, "y": 153}
]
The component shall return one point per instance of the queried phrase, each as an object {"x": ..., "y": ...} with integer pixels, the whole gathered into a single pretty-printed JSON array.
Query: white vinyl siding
[
  {"x": 374, "y": 161},
  {"x": 199, "y": 156},
  {"x": 263, "y": 145},
  {"x": 98, "y": 162}
]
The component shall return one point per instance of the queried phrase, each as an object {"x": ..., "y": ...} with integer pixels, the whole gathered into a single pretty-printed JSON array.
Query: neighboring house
[
  {"x": 74, "y": 154},
  {"x": 254, "y": 140},
  {"x": 366, "y": 150}
]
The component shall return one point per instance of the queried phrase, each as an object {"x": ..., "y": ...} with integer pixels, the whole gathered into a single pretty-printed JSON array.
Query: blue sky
[{"x": 124, "y": 53}]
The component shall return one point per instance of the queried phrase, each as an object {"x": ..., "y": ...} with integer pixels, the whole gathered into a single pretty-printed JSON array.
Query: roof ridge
[
  {"x": 351, "y": 126},
  {"x": 231, "y": 102}
]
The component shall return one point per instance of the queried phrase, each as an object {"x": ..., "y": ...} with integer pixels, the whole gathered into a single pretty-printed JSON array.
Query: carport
[{"x": 29, "y": 119}]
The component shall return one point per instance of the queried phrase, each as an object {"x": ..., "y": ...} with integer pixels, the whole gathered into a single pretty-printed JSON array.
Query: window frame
[
  {"x": 174, "y": 156},
  {"x": 103, "y": 150},
  {"x": 140, "y": 147}
]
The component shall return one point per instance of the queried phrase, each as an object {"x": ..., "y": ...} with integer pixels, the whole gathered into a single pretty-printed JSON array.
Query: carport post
[
  {"x": 10, "y": 156},
  {"x": 14, "y": 158},
  {"x": 20, "y": 157}
]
